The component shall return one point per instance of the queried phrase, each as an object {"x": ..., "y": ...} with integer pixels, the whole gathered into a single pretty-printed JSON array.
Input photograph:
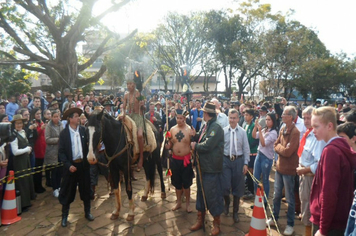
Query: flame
[
  {"x": 185, "y": 73},
  {"x": 136, "y": 73}
]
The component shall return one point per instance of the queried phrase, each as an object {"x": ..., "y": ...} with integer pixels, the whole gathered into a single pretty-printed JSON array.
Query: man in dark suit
[{"x": 72, "y": 152}]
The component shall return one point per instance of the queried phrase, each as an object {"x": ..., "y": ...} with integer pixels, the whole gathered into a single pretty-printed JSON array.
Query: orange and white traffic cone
[
  {"x": 258, "y": 221},
  {"x": 9, "y": 210}
]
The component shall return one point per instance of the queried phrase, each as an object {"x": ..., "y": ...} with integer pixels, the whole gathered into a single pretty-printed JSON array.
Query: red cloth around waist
[{"x": 185, "y": 158}]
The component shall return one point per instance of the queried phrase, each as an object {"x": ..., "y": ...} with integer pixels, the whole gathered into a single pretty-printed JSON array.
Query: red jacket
[
  {"x": 40, "y": 143},
  {"x": 332, "y": 190}
]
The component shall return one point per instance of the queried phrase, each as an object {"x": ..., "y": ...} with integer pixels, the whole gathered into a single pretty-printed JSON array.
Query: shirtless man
[
  {"x": 132, "y": 105},
  {"x": 182, "y": 171}
]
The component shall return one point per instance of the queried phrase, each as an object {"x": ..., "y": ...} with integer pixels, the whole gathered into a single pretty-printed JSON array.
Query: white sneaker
[
  {"x": 270, "y": 222},
  {"x": 56, "y": 193},
  {"x": 289, "y": 230}
]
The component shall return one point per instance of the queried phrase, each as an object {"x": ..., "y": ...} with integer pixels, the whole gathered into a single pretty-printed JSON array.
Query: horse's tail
[{"x": 150, "y": 170}]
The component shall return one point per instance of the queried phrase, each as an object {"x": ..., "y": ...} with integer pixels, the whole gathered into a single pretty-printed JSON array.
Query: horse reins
[{"x": 110, "y": 159}]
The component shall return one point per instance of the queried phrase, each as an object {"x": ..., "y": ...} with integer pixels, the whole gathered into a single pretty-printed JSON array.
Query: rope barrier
[
  {"x": 269, "y": 206},
  {"x": 52, "y": 166}
]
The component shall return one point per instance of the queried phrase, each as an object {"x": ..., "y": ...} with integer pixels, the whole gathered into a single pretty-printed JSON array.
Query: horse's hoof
[
  {"x": 114, "y": 217},
  {"x": 144, "y": 198},
  {"x": 130, "y": 217},
  {"x": 163, "y": 195}
]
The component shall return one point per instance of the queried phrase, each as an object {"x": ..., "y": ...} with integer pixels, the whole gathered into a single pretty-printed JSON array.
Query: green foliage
[{"x": 13, "y": 81}]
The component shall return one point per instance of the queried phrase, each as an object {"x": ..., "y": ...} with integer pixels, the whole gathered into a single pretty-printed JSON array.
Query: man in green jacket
[{"x": 209, "y": 147}]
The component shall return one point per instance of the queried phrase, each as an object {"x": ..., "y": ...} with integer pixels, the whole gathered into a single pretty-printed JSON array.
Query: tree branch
[
  {"x": 109, "y": 10},
  {"x": 96, "y": 54},
  {"x": 47, "y": 54},
  {"x": 94, "y": 78},
  {"x": 11, "y": 32},
  {"x": 102, "y": 49},
  {"x": 80, "y": 25},
  {"x": 46, "y": 19},
  {"x": 35, "y": 57}
]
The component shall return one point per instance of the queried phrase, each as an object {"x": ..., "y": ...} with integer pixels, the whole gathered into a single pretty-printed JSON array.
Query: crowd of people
[{"x": 312, "y": 148}]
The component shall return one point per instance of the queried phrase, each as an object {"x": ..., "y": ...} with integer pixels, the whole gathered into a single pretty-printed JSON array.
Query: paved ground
[{"x": 153, "y": 217}]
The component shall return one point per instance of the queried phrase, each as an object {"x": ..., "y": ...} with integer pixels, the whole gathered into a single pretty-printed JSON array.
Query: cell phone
[
  {"x": 34, "y": 121},
  {"x": 278, "y": 99}
]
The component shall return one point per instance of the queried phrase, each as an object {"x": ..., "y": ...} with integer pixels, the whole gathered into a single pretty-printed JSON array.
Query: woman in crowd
[
  {"x": 21, "y": 150},
  {"x": 52, "y": 132},
  {"x": 83, "y": 120},
  {"x": 87, "y": 109},
  {"x": 31, "y": 132},
  {"x": 4, "y": 118},
  {"x": 46, "y": 116},
  {"x": 3, "y": 156},
  {"x": 264, "y": 158},
  {"x": 40, "y": 148}
]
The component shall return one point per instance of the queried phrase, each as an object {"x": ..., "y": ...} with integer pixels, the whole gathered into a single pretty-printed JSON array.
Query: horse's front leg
[
  {"x": 115, "y": 214},
  {"x": 160, "y": 172},
  {"x": 131, "y": 214}
]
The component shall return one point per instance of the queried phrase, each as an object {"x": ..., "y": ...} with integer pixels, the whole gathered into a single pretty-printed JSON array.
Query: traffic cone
[
  {"x": 9, "y": 210},
  {"x": 258, "y": 221}
]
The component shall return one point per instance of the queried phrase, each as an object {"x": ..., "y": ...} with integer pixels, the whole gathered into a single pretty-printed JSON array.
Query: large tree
[
  {"x": 180, "y": 41},
  {"x": 236, "y": 41},
  {"x": 287, "y": 47},
  {"x": 43, "y": 36}
]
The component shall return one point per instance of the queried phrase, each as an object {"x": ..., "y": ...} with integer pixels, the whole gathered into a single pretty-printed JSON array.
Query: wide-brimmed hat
[
  {"x": 71, "y": 111},
  {"x": 263, "y": 108},
  {"x": 18, "y": 117},
  {"x": 70, "y": 95},
  {"x": 98, "y": 108},
  {"x": 209, "y": 107},
  {"x": 158, "y": 103},
  {"x": 108, "y": 103},
  {"x": 53, "y": 103}
]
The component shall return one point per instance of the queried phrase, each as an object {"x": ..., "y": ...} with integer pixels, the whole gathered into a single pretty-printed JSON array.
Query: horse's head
[{"x": 95, "y": 134}]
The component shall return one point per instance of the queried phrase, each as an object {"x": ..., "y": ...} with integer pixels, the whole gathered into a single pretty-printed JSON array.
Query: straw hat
[{"x": 18, "y": 117}]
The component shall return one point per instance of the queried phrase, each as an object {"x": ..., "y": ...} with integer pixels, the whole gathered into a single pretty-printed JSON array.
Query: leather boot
[
  {"x": 200, "y": 222},
  {"x": 65, "y": 212},
  {"x": 308, "y": 231},
  {"x": 236, "y": 206},
  {"x": 88, "y": 216},
  {"x": 227, "y": 205},
  {"x": 216, "y": 226}
]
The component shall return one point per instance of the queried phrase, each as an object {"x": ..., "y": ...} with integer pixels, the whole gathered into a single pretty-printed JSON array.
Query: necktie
[
  {"x": 302, "y": 142},
  {"x": 233, "y": 150},
  {"x": 202, "y": 133},
  {"x": 77, "y": 155},
  {"x": 151, "y": 117}
]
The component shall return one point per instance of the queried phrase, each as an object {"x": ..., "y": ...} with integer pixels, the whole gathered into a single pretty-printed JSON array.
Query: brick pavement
[{"x": 153, "y": 217}]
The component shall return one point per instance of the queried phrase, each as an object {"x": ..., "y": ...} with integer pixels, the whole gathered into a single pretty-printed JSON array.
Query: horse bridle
[{"x": 110, "y": 159}]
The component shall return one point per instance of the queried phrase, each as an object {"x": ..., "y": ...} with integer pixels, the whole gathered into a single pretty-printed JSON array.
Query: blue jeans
[
  {"x": 263, "y": 166},
  {"x": 288, "y": 182}
]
